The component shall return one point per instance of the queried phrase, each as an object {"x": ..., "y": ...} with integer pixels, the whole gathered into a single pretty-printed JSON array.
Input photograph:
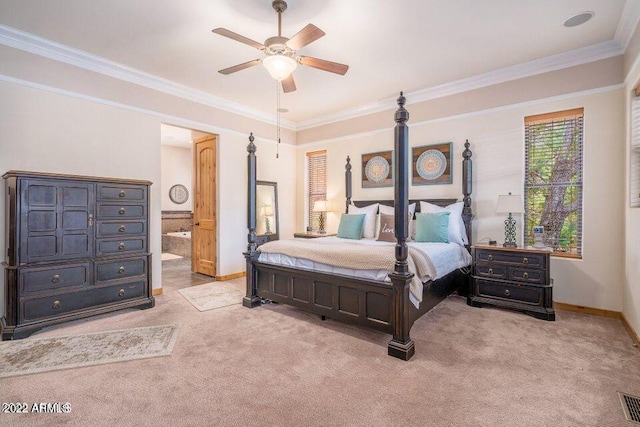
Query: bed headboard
[{"x": 467, "y": 214}]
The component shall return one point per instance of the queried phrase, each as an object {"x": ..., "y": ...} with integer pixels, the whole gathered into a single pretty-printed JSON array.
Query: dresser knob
[
  {"x": 56, "y": 278},
  {"x": 56, "y": 305},
  {"x": 525, "y": 260},
  {"x": 121, "y": 246},
  {"x": 121, "y": 229},
  {"x": 525, "y": 275},
  {"x": 491, "y": 271},
  {"x": 121, "y": 292},
  {"x": 490, "y": 257},
  {"x": 121, "y": 211},
  {"x": 122, "y": 194},
  {"x": 121, "y": 269},
  {"x": 506, "y": 292}
]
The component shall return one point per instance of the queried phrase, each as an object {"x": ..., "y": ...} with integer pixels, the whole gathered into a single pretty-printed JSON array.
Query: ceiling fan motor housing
[{"x": 276, "y": 44}]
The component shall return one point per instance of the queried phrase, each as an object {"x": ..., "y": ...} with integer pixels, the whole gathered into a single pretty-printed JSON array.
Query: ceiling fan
[{"x": 280, "y": 52}]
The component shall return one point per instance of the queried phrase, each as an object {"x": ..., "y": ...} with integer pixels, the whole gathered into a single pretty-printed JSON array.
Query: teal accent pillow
[
  {"x": 351, "y": 226},
  {"x": 432, "y": 227}
]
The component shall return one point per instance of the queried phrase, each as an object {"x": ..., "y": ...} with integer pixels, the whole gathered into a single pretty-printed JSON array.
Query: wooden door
[{"x": 204, "y": 206}]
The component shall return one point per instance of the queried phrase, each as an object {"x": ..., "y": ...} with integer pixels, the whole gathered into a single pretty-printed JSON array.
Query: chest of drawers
[
  {"x": 514, "y": 278},
  {"x": 75, "y": 247}
]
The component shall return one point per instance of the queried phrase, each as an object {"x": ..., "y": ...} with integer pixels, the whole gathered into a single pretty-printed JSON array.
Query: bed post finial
[
  {"x": 251, "y": 299},
  {"x": 347, "y": 183},
  {"x": 467, "y": 187},
  {"x": 401, "y": 346}
]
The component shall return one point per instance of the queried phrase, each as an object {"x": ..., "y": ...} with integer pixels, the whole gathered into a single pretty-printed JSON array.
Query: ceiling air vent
[{"x": 631, "y": 407}]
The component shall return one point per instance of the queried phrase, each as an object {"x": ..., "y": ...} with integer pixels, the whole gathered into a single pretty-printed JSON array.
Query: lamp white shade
[
  {"x": 320, "y": 206},
  {"x": 266, "y": 210},
  {"x": 279, "y": 66},
  {"x": 508, "y": 203}
]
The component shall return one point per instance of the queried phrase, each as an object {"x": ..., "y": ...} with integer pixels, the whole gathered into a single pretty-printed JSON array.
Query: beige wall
[
  {"x": 176, "y": 167},
  {"x": 497, "y": 142}
]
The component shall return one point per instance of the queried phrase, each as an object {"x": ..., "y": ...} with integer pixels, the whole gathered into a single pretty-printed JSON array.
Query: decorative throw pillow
[
  {"x": 390, "y": 210},
  {"x": 457, "y": 230},
  {"x": 432, "y": 227},
  {"x": 387, "y": 228},
  {"x": 369, "y": 226},
  {"x": 351, "y": 226}
]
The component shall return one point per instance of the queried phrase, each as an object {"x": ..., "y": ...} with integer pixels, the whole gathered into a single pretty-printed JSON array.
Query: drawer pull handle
[
  {"x": 56, "y": 305},
  {"x": 121, "y": 211},
  {"x": 525, "y": 275},
  {"x": 491, "y": 271},
  {"x": 121, "y": 292},
  {"x": 56, "y": 278},
  {"x": 122, "y": 194},
  {"x": 121, "y": 246},
  {"x": 506, "y": 292},
  {"x": 525, "y": 260},
  {"x": 121, "y": 269},
  {"x": 490, "y": 257},
  {"x": 121, "y": 229}
]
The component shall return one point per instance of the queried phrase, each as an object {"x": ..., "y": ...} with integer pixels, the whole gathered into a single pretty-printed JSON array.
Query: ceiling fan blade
[
  {"x": 308, "y": 34},
  {"x": 288, "y": 85},
  {"x": 321, "y": 64},
  {"x": 240, "y": 67},
  {"x": 238, "y": 37}
]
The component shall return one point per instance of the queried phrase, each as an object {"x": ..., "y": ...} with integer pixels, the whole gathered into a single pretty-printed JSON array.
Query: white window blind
[
  {"x": 634, "y": 155},
  {"x": 316, "y": 184},
  {"x": 553, "y": 179}
]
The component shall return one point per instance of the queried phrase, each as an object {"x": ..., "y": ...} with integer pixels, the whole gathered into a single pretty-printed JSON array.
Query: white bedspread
[{"x": 446, "y": 257}]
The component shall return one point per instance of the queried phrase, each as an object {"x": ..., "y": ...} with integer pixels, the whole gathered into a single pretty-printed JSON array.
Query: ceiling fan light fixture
[{"x": 279, "y": 66}]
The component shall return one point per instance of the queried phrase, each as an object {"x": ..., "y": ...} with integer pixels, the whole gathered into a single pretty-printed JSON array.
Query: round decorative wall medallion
[
  {"x": 431, "y": 164},
  {"x": 179, "y": 194},
  {"x": 377, "y": 169}
]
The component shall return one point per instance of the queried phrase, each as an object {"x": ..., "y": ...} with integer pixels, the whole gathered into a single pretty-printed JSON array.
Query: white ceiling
[{"x": 389, "y": 45}]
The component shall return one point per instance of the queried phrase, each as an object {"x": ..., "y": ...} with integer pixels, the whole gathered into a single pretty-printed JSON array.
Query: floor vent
[{"x": 631, "y": 407}]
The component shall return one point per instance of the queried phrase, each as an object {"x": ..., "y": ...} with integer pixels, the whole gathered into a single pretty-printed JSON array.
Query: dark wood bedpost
[
  {"x": 347, "y": 183},
  {"x": 401, "y": 346},
  {"x": 251, "y": 299},
  {"x": 467, "y": 168}
]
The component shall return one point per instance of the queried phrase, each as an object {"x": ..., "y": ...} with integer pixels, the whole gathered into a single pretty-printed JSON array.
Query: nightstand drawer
[
  {"x": 531, "y": 260},
  {"x": 508, "y": 291},
  {"x": 491, "y": 271},
  {"x": 527, "y": 275}
]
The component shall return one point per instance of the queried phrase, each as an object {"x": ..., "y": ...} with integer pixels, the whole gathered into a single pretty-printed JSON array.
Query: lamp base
[{"x": 509, "y": 245}]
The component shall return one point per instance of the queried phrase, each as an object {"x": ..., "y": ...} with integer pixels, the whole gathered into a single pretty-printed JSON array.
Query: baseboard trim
[
  {"x": 156, "y": 291},
  {"x": 603, "y": 313},
  {"x": 231, "y": 276}
]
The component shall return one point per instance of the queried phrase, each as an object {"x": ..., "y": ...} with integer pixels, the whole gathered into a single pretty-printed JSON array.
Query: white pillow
[
  {"x": 369, "y": 226},
  {"x": 391, "y": 210},
  {"x": 457, "y": 230}
]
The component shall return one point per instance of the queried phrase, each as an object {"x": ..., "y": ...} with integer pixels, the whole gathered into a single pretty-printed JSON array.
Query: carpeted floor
[{"x": 277, "y": 366}]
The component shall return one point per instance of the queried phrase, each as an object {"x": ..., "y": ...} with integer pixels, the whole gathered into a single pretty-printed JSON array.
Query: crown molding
[
  {"x": 526, "y": 69},
  {"x": 31, "y": 43},
  {"x": 628, "y": 23}
]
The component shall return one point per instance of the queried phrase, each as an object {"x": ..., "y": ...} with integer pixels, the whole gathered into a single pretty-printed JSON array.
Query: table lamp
[
  {"x": 321, "y": 207},
  {"x": 266, "y": 211},
  {"x": 509, "y": 204}
]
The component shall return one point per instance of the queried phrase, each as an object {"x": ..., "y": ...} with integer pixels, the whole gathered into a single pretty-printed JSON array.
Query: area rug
[
  {"x": 212, "y": 295},
  {"x": 34, "y": 355},
  {"x": 166, "y": 256}
]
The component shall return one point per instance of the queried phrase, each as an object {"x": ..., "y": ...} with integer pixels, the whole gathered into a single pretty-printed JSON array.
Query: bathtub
[{"x": 178, "y": 243}]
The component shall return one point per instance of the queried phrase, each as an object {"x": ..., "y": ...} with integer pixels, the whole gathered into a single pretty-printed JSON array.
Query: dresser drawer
[
  {"x": 42, "y": 279},
  {"x": 37, "y": 308},
  {"x": 122, "y": 210},
  {"x": 527, "y": 275},
  {"x": 491, "y": 271},
  {"x": 120, "y": 269},
  {"x": 531, "y": 260},
  {"x": 509, "y": 291},
  {"x": 120, "y": 246},
  {"x": 121, "y": 228},
  {"x": 121, "y": 192}
]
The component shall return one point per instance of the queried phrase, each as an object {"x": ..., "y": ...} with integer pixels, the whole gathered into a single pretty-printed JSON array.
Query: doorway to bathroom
[{"x": 188, "y": 184}]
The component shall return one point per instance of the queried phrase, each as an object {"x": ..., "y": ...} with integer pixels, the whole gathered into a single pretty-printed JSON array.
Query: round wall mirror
[{"x": 179, "y": 194}]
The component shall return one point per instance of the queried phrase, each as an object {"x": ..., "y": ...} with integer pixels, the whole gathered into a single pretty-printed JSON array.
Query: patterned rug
[
  {"x": 33, "y": 355},
  {"x": 212, "y": 295},
  {"x": 166, "y": 256}
]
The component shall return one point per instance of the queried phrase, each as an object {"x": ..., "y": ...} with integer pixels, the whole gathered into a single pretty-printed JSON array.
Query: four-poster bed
[{"x": 373, "y": 303}]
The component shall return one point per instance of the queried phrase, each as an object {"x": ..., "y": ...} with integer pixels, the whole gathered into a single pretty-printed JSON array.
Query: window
[
  {"x": 316, "y": 184},
  {"x": 634, "y": 154},
  {"x": 553, "y": 180}
]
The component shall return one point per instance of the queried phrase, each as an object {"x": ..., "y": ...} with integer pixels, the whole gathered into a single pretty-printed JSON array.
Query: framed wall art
[
  {"x": 431, "y": 164},
  {"x": 377, "y": 169}
]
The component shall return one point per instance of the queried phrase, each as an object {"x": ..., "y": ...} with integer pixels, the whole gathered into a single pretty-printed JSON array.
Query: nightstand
[
  {"x": 312, "y": 234},
  {"x": 514, "y": 278}
]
